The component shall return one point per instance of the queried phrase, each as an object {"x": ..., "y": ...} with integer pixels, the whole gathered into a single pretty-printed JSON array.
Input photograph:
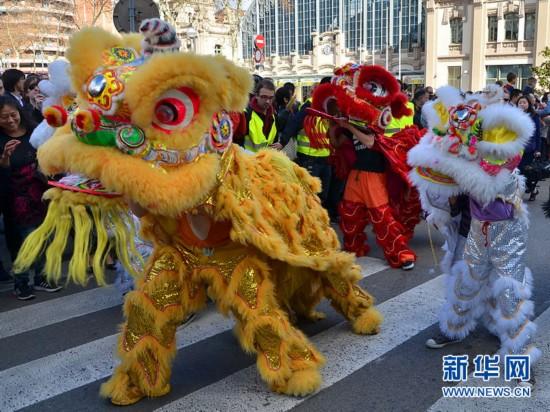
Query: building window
[
  {"x": 495, "y": 73},
  {"x": 218, "y": 49},
  {"x": 511, "y": 26},
  {"x": 454, "y": 73},
  {"x": 306, "y": 92},
  {"x": 493, "y": 28},
  {"x": 456, "y": 30},
  {"x": 530, "y": 22}
]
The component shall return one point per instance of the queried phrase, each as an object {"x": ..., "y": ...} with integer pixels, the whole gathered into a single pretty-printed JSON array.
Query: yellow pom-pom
[
  {"x": 87, "y": 120},
  {"x": 56, "y": 116}
]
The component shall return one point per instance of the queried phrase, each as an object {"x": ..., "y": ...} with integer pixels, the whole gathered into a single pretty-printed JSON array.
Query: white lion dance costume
[
  {"x": 152, "y": 130},
  {"x": 473, "y": 148}
]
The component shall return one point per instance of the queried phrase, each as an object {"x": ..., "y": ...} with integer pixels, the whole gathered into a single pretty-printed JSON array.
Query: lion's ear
[
  {"x": 86, "y": 51},
  {"x": 235, "y": 87},
  {"x": 399, "y": 106}
]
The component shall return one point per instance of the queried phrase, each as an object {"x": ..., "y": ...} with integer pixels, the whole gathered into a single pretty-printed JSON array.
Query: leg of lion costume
[{"x": 240, "y": 280}]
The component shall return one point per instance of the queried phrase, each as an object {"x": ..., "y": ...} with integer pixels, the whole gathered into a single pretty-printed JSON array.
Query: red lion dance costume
[{"x": 368, "y": 97}]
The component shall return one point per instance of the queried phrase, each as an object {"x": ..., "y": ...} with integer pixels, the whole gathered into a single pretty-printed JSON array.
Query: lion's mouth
[{"x": 83, "y": 184}]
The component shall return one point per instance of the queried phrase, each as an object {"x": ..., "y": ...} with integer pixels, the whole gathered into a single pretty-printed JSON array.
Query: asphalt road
[{"x": 57, "y": 349}]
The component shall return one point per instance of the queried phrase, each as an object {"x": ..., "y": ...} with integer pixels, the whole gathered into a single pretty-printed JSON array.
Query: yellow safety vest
[
  {"x": 303, "y": 145},
  {"x": 399, "y": 124},
  {"x": 255, "y": 139},
  {"x": 302, "y": 141}
]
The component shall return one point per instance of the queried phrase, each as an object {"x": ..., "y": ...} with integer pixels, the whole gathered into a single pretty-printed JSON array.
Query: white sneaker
[{"x": 408, "y": 265}]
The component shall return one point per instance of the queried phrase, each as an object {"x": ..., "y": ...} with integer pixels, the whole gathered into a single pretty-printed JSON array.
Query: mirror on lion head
[{"x": 138, "y": 94}]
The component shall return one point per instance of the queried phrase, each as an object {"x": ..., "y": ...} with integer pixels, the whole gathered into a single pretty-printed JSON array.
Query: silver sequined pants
[{"x": 492, "y": 283}]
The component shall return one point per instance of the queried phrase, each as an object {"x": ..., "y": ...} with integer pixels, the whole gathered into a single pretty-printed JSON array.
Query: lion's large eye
[
  {"x": 175, "y": 109},
  {"x": 375, "y": 89},
  {"x": 385, "y": 118}
]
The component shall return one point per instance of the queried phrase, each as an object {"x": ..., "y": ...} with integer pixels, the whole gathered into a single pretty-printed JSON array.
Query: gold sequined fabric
[
  {"x": 248, "y": 287},
  {"x": 165, "y": 263},
  {"x": 338, "y": 284},
  {"x": 269, "y": 344},
  {"x": 139, "y": 324},
  {"x": 149, "y": 363},
  {"x": 169, "y": 293},
  {"x": 301, "y": 353}
]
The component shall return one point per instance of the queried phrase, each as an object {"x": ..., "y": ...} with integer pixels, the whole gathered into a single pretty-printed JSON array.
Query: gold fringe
[
  {"x": 78, "y": 266},
  {"x": 83, "y": 215}
]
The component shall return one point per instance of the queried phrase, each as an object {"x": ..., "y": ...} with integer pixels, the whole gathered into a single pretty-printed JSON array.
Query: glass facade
[
  {"x": 456, "y": 30},
  {"x": 495, "y": 73},
  {"x": 511, "y": 26},
  {"x": 492, "y": 24},
  {"x": 530, "y": 24},
  {"x": 287, "y": 25}
]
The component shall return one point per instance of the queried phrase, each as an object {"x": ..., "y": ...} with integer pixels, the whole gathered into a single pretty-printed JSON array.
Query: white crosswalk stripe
[
  {"x": 540, "y": 397},
  {"x": 57, "y": 310},
  {"x": 95, "y": 360},
  {"x": 345, "y": 352},
  {"x": 54, "y": 374}
]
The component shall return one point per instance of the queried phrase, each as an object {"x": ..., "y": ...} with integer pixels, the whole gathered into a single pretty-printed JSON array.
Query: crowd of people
[
  {"x": 273, "y": 119},
  {"x": 22, "y": 184}
]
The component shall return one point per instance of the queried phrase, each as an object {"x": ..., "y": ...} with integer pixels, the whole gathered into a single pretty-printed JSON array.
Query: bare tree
[
  {"x": 15, "y": 41},
  {"x": 170, "y": 9},
  {"x": 88, "y": 12},
  {"x": 232, "y": 12}
]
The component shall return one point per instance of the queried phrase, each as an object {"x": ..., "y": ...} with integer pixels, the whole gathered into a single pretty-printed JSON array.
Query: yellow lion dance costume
[{"x": 151, "y": 129}]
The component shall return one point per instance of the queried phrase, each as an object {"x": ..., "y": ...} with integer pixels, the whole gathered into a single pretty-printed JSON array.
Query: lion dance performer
[
  {"x": 360, "y": 102},
  {"x": 473, "y": 148},
  {"x": 153, "y": 131}
]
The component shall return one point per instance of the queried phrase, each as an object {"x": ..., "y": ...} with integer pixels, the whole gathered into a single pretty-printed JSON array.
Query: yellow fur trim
[
  {"x": 120, "y": 389},
  {"x": 443, "y": 115},
  {"x": 219, "y": 84},
  {"x": 69, "y": 210},
  {"x": 301, "y": 383},
  {"x": 163, "y": 192},
  {"x": 85, "y": 52},
  {"x": 368, "y": 323},
  {"x": 499, "y": 135},
  {"x": 272, "y": 205}
]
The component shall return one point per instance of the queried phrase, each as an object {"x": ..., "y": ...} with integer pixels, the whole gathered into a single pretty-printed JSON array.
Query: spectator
[
  {"x": 282, "y": 99},
  {"x": 293, "y": 104},
  {"x": 14, "y": 81},
  {"x": 33, "y": 98},
  {"x": 515, "y": 94},
  {"x": 260, "y": 128},
  {"x": 25, "y": 186},
  {"x": 2, "y": 90},
  {"x": 315, "y": 160},
  {"x": 257, "y": 79},
  {"x": 421, "y": 96},
  {"x": 500, "y": 83},
  {"x": 512, "y": 79},
  {"x": 431, "y": 94},
  {"x": 532, "y": 150},
  {"x": 530, "y": 87}
]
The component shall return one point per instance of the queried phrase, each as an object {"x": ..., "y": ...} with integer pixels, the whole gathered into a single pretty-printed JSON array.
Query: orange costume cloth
[
  {"x": 366, "y": 201},
  {"x": 378, "y": 190}
]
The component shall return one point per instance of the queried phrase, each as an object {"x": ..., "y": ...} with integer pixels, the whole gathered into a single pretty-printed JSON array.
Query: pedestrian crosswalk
[{"x": 211, "y": 373}]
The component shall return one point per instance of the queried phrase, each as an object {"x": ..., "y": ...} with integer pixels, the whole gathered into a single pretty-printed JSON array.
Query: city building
[
  {"x": 34, "y": 32},
  {"x": 472, "y": 43},
  {"x": 204, "y": 27},
  {"x": 306, "y": 39}
]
